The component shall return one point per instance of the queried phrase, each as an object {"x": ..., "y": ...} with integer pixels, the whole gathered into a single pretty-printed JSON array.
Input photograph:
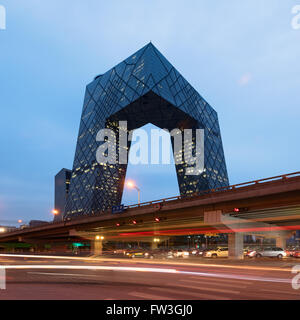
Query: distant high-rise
[
  {"x": 144, "y": 88},
  {"x": 62, "y": 185}
]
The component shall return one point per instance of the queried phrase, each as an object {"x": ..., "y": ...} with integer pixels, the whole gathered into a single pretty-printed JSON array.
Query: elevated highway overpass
[{"x": 269, "y": 207}]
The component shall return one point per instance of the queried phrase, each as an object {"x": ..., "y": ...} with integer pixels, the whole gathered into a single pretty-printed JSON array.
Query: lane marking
[
  {"x": 199, "y": 278},
  {"x": 280, "y": 291},
  {"x": 214, "y": 283},
  {"x": 208, "y": 289},
  {"x": 233, "y": 276},
  {"x": 192, "y": 294},
  {"x": 148, "y": 296}
]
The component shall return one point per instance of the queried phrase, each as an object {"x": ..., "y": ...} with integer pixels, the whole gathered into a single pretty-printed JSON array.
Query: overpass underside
[{"x": 268, "y": 209}]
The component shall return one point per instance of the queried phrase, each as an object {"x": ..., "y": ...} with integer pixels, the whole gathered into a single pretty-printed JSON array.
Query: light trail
[
  {"x": 45, "y": 257},
  {"x": 139, "y": 269},
  {"x": 94, "y": 268},
  {"x": 235, "y": 276},
  {"x": 63, "y": 274},
  {"x": 178, "y": 263},
  {"x": 190, "y": 231}
]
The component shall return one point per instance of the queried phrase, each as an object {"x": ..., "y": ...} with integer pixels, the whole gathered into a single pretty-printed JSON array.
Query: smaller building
[
  {"x": 62, "y": 184},
  {"x": 4, "y": 229},
  {"x": 36, "y": 223}
]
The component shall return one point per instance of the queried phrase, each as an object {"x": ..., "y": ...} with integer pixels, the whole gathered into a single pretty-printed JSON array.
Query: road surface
[{"x": 42, "y": 277}]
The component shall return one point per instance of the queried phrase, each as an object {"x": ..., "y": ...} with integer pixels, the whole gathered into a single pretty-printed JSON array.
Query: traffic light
[{"x": 240, "y": 210}]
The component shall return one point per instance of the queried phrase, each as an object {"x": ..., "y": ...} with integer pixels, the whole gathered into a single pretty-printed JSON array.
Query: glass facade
[{"x": 144, "y": 88}]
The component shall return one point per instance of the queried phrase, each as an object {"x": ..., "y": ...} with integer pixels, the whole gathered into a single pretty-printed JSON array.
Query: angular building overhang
[{"x": 144, "y": 88}]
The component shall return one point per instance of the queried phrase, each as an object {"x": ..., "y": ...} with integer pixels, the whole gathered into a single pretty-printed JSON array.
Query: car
[
  {"x": 180, "y": 253},
  {"x": 158, "y": 254},
  {"x": 194, "y": 252},
  {"x": 272, "y": 252},
  {"x": 219, "y": 252},
  {"x": 201, "y": 252},
  {"x": 247, "y": 251},
  {"x": 296, "y": 253},
  {"x": 119, "y": 252},
  {"x": 290, "y": 252},
  {"x": 135, "y": 254},
  {"x": 151, "y": 254},
  {"x": 197, "y": 252}
]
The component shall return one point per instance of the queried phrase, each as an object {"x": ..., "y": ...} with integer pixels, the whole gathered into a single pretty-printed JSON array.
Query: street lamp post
[
  {"x": 139, "y": 194},
  {"x": 131, "y": 184}
]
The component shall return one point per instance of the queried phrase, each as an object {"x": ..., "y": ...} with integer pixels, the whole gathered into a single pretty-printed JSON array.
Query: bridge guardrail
[{"x": 227, "y": 188}]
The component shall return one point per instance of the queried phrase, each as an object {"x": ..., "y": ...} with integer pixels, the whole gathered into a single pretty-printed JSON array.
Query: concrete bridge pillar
[
  {"x": 154, "y": 245},
  {"x": 97, "y": 247},
  {"x": 281, "y": 238},
  {"x": 236, "y": 245},
  {"x": 281, "y": 241}
]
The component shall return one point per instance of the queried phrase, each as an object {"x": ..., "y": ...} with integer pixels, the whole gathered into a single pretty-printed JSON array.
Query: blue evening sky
[{"x": 243, "y": 57}]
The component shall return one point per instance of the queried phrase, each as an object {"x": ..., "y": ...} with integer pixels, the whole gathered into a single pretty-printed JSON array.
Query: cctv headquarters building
[{"x": 144, "y": 88}]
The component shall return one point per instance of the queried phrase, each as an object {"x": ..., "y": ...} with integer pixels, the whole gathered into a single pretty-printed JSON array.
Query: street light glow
[
  {"x": 130, "y": 184},
  {"x": 55, "y": 211},
  {"x": 2, "y": 230}
]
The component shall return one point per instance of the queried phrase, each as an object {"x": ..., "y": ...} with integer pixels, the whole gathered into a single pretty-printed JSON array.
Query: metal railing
[{"x": 210, "y": 191}]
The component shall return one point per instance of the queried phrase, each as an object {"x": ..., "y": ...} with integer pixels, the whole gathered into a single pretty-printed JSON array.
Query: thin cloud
[{"x": 245, "y": 79}]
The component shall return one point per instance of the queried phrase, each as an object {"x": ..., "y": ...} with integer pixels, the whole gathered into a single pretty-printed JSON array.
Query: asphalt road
[{"x": 39, "y": 278}]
